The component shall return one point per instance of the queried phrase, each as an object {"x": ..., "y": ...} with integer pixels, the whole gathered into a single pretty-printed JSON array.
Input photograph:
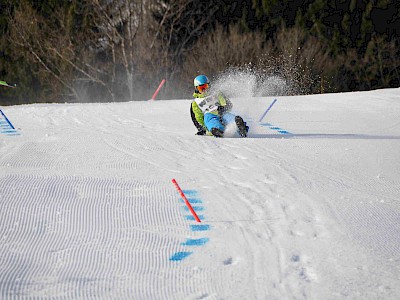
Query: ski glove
[
  {"x": 201, "y": 132},
  {"x": 221, "y": 110}
]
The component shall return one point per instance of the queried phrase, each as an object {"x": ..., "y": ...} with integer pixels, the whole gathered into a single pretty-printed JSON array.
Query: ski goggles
[{"x": 202, "y": 88}]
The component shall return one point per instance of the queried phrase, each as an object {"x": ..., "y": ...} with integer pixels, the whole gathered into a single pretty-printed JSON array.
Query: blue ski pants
[{"x": 214, "y": 121}]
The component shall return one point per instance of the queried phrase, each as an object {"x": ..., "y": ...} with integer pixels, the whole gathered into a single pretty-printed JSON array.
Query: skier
[{"x": 211, "y": 113}]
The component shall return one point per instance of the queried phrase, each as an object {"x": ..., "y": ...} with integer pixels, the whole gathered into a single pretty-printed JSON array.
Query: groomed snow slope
[{"x": 307, "y": 207}]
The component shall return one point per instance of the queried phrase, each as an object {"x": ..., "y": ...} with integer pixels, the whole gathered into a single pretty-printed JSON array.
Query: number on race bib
[{"x": 207, "y": 104}]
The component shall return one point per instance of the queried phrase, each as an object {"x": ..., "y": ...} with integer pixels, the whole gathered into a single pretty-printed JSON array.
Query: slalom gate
[
  {"x": 6, "y": 127},
  {"x": 189, "y": 197}
]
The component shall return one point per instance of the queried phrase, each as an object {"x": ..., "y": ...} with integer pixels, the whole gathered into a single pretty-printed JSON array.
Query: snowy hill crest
[{"x": 306, "y": 207}]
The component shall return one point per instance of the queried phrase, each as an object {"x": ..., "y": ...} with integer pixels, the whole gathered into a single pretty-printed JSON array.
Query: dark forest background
[{"x": 103, "y": 50}]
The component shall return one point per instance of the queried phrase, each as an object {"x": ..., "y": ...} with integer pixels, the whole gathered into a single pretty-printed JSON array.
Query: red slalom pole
[
  {"x": 158, "y": 89},
  {"x": 186, "y": 201}
]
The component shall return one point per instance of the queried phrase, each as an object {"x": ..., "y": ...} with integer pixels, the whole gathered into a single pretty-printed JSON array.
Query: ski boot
[
  {"x": 241, "y": 125},
  {"x": 217, "y": 132}
]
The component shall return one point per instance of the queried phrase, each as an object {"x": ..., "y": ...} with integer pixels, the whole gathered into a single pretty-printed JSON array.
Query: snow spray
[
  {"x": 248, "y": 85},
  {"x": 186, "y": 201}
]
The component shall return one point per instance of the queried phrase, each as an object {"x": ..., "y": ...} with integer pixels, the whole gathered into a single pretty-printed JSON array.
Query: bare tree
[
  {"x": 118, "y": 23},
  {"x": 304, "y": 59},
  {"x": 221, "y": 49},
  {"x": 93, "y": 55},
  {"x": 180, "y": 25},
  {"x": 40, "y": 43}
]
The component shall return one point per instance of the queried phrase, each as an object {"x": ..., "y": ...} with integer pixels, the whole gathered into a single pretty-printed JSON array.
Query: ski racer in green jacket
[{"x": 211, "y": 113}]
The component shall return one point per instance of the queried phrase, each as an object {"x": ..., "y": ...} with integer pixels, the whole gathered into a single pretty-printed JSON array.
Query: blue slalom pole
[
  {"x": 8, "y": 121},
  {"x": 262, "y": 117}
]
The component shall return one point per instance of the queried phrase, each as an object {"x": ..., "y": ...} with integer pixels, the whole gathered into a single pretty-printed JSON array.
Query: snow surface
[{"x": 307, "y": 207}]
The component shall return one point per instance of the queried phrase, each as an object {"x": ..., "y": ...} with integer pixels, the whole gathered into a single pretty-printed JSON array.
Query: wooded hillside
[{"x": 102, "y": 50}]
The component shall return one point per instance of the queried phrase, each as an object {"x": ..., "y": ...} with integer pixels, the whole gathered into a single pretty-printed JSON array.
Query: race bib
[{"x": 208, "y": 104}]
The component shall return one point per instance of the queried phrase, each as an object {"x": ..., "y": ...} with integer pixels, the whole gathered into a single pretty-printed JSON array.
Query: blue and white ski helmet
[{"x": 200, "y": 80}]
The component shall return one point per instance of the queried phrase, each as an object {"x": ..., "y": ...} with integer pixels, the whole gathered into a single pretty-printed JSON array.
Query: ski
[
  {"x": 3, "y": 83},
  {"x": 241, "y": 126}
]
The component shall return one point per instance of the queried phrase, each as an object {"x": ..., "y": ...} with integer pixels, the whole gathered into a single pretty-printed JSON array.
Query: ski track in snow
[{"x": 307, "y": 207}]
